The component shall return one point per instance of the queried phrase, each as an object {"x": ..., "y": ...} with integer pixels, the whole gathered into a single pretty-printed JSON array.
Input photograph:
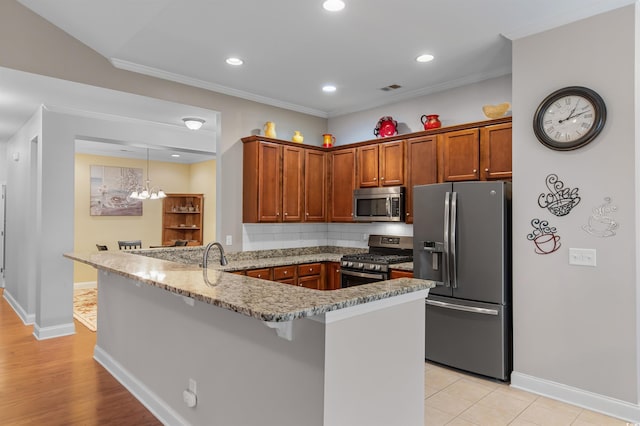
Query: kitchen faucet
[{"x": 205, "y": 256}]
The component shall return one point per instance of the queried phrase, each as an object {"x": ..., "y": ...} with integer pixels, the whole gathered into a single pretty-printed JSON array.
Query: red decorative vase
[{"x": 430, "y": 121}]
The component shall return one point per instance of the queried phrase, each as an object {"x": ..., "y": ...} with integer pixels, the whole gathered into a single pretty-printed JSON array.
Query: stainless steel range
[{"x": 365, "y": 268}]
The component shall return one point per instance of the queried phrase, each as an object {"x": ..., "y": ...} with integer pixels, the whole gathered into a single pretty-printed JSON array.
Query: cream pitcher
[{"x": 270, "y": 129}]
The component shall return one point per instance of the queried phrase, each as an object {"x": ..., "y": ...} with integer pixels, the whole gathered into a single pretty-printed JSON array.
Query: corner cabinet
[{"x": 182, "y": 218}]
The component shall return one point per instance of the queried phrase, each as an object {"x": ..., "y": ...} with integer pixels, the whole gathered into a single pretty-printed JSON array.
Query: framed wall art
[{"x": 110, "y": 188}]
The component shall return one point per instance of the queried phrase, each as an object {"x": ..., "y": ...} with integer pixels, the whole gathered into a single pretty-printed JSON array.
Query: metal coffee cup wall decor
[{"x": 559, "y": 200}]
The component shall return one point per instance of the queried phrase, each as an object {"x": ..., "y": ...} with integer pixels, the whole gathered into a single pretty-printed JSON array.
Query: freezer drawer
[{"x": 471, "y": 336}]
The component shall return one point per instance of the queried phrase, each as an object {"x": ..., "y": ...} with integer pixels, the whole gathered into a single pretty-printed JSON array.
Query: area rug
[{"x": 85, "y": 307}]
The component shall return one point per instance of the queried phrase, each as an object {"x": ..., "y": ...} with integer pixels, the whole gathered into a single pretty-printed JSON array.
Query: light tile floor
[{"x": 457, "y": 399}]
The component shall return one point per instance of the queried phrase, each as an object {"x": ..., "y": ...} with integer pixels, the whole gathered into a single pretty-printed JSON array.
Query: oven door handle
[{"x": 362, "y": 274}]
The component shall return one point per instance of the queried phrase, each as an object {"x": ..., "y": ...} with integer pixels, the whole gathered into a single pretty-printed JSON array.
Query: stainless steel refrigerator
[{"x": 462, "y": 240}]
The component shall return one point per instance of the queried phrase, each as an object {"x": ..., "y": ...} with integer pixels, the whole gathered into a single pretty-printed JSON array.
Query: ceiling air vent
[{"x": 391, "y": 87}]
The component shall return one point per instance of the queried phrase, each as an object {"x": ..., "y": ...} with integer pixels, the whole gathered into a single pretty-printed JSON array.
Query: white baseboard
[
  {"x": 27, "y": 319},
  {"x": 585, "y": 399},
  {"x": 43, "y": 333},
  {"x": 146, "y": 396},
  {"x": 86, "y": 284}
]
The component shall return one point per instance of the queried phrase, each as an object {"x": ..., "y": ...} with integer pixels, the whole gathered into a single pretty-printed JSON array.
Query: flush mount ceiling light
[
  {"x": 424, "y": 58},
  {"x": 329, "y": 88},
  {"x": 234, "y": 61},
  {"x": 193, "y": 123},
  {"x": 147, "y": 192},
  {"x": 333, "y": 5}
]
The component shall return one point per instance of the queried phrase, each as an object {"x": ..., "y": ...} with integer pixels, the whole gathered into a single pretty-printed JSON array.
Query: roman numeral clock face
[{"x": 569, "y": 118}]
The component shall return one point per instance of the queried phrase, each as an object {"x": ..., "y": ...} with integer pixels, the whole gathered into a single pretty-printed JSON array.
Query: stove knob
[
  {"x": 350, "y": 264},
  {"x": 377, "y": 268},
  {"x": 360, "y": 265}
]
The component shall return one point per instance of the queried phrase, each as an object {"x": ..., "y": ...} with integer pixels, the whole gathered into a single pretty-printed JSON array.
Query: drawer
[
  {"x": 284, "y": 272},
  {"x": 265, "y": 273},
  {"x": 309, "y": 269}
]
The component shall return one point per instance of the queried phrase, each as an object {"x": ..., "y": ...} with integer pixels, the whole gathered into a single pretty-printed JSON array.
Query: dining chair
[
  {"x": 102, "y": 247},
  {"x": 133, "y": 244}
]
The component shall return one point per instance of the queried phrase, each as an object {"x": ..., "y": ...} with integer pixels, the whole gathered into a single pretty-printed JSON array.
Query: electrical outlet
[
  {"x": 229, "y": 240},
  {"x": 365, "y": 237},
  {"x": 582, "y": 257}
]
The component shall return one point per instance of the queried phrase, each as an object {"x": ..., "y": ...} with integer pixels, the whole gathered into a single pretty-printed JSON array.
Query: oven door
[{"x": 352, "y": 278}]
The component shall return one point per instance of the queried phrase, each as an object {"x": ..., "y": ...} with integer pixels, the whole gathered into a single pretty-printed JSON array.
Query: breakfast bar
[{"x": 211, "y": 347}]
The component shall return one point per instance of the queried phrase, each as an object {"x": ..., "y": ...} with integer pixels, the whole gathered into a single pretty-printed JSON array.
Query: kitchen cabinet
[
  {"x": 283, "y": 183},
  {"x": 333, "y": 281},
  {"x": 182, "y": 218},
  {"x": 481, "y": 153},
  {"x": 262, "y": 273},
  {"x": 315, "y": 186},
  {"x": 342, "y": 182},
  {"x": 310, "y": 276},
  {"x": 381, "y": 164},
  {"x": 398, "y": 273},
  {"x": 422, "y": 167},
  {"x": 460, "y": 153},
  {"x": 292, "y": 183},
  {"x": 495, "y": 152}
]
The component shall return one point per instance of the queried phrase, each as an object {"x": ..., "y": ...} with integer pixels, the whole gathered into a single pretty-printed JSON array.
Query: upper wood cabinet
[
  {"x": 381, "y": 164},
  {"x": 342, "y": 182},
  {"x": 460, "y": 153},
  {"x": 482, "y": 153},
  {"x": 292, "y": 183},
  {"x": 422, "y": 167},
  {"x": 315, "y": 186},
  {"x": 283, "y": 183},
  {"x": 495, "y": 152}
]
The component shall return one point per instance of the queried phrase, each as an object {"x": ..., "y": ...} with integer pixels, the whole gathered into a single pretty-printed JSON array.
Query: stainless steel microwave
[{"x": 384, "y": 204}]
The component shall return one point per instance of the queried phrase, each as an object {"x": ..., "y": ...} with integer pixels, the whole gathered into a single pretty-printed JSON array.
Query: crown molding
[{"x": 179, "y": 78}]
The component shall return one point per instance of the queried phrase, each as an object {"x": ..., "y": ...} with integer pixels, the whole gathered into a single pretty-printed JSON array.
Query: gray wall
[{"x": 577, "y": 325}]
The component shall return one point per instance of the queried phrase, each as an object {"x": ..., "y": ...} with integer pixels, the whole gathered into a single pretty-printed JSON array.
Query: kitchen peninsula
[{"x": 259, "y": 352}]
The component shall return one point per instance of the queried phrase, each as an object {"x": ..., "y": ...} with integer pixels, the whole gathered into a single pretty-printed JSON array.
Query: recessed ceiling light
[
  {"x": 424, "y": 58},
  {"x": 329, "y": 88},
  {"x": 175, "y": 155},
  {"x": 333, "y": 5},
  {"x": 234, "y": 61}
]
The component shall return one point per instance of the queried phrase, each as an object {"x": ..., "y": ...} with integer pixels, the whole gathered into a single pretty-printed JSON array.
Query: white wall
[
  {"x": 575, "y": 327},
  {"x": 455, "y": 106}
]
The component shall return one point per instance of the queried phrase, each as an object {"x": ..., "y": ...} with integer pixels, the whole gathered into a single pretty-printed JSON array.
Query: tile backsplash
[{"x": 260, "y": 236}]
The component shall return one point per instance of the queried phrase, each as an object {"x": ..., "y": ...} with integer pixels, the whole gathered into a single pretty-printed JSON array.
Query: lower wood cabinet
[
  {"x": 397, "y": 273},
  {"x": 309, "y": 275},
  {"x": 264, "y": 273},
  {"x": 333, "y": 280}
]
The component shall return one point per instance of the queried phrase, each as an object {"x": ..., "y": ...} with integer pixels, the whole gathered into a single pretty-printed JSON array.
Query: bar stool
[{"x": 127, "y": 245}]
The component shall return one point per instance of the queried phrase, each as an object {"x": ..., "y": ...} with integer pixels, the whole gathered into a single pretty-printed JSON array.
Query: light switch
[{"x": 582, "y": 257}]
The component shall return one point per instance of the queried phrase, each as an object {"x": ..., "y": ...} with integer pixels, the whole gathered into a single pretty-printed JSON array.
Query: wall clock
[{"x": 569, "y": 118}]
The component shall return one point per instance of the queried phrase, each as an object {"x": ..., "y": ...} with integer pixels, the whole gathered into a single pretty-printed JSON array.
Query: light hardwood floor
[{"x": 57, "y": 382}]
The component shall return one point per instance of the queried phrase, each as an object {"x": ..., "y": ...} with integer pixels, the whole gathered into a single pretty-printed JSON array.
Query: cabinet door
[
  {"x": 392, "y": 169},
  {"x": 264, "y": 273},
  {"x": 315, "y": 186},
  {"x": 333, "y": 276},
  {"x": 422, "y": 167},
  {"x": 461, "y": 155},
  {"x": 343, "y": 182},
  {"x": 269, "y": 198},
  {"x": 292, "y": 185},
  {"x": 495, "y": 152},
  {"x": 368, "y": 158}
]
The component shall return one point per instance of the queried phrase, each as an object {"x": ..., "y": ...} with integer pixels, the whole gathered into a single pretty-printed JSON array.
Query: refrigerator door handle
[
  {"x": 445, "y": 254},
  {"x": 452, "y": 244},
  {"x": 464, "y": 308}
]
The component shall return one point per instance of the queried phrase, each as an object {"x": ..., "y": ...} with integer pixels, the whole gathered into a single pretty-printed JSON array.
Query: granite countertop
[{"x": 265, "y": 300}]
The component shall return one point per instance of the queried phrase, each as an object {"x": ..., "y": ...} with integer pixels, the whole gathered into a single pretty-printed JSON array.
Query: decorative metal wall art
[
  {"x": 600, "y": 223},
  {"x": 110, "y": 188},
  {"x": 559, "y": 200},
  {"x": 544, "y": 237}
]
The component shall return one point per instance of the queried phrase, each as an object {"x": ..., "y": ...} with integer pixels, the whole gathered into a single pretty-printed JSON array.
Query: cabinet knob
[
  {"x": 307, "y": 213},
  {"x": 286, "y": 214},
  {"x": 286, "y": 272},
  {"x": 475, "y": 170},
  {"x": 382, "y": 178},
  {"x": 259, "y": 275},
  {"x": 310, "y": 269},
  {"x": 375, "y": 178},
  {"x": 486, "y": 170}
]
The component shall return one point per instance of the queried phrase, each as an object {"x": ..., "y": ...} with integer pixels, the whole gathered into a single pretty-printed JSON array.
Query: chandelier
[{"x": 148, "y": 192}]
